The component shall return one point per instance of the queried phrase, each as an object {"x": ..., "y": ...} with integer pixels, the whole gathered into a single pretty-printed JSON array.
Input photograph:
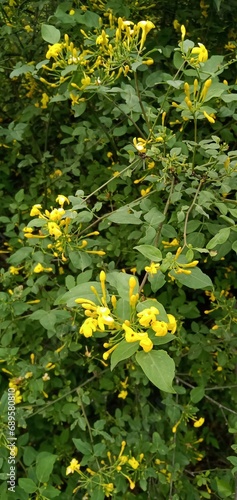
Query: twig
[{"x": 223, "y": 407}]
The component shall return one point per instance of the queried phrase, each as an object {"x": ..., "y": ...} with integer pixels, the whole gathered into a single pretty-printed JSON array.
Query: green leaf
[
  {"x": 197, "y": 394},
  {"x": 197, "y": 279},
  {"x": 217, "y": 3},
  {"x": 82, "y": 446},
  {"x": 234, "y": 246},
  {"x": 154, "y": 217},
  {"x": 20, "y": 255},
  {"x": 80, "y": 260},
  {"x": 124, "y": 216},
  {"x": 44, "y": 465},
  {"x": 120, "y": 281},
  {"x": 161, "y": 340},
  {"x": 123, "y": 309},
  {"x": 50, "y": 492},
  {"x": 220, "y": 238},
  {"x": 82, "y": 290},
  {"x": 124, "y": 351},
  {"x": 159, "y": 368},
  {"x": 224, "y": 488},
  {"x": 48, "y": 320},
  {"x": 27, "y": 485},
  {"x": 150, "y": 252},
  {"x": 50, "y": 34}
]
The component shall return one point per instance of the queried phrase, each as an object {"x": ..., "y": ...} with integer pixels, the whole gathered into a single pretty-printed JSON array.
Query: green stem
[
  {"x": 157, "y": 237},
  {"x": 140, "y": 101},
  {"x": 188, "y": 212}
]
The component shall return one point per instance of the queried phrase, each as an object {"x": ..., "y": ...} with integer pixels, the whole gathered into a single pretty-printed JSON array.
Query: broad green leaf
[
  {"x": 224, "y": 488},
  {"x": 50, "y": 34},
  {"x": 120, "y": 281},
  {"x": 44, "y": 465},
  {"x": 154, "y": 217},
  {"x": 20, "y": 255},
  {"x": 159, "y": 368},
  {"x": 50, "y": 492},
  {"x": 123, "y": 309},
  {"x": 82, "y": 446},
  {"x": 48, "y": 320},
  {"x": 80, "y": 260},
  {"x": 234, "y": 246},
  {"x": 150, "y": 252},
  {"x": 160, "y": 340},
  {"x": 220, "y": 238},
  {"x": 27, "y": 485},
  {"x": 124, "y": 216},
  {"x": 21, "y": 69},
  {"x": 197, "y": 394},
  {"x": 124, "y": 351},
  {"x": 80, "y": 291},
  {"x": 197, "y": 279}
]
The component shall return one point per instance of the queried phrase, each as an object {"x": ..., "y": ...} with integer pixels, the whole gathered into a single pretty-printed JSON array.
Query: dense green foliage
[{"x": 118, "y": 249}]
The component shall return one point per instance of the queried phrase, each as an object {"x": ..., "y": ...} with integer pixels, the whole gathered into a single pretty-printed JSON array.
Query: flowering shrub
[{"x": 118, "y": 308}]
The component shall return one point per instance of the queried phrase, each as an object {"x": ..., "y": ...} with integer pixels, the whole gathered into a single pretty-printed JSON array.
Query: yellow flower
[
  {"x": 209, "y": 117},
  {"x": 104, "y": 318},
  {"x": 44, "y": 100},
  {"x": 176, "y": 24},
  {"x": 145, "y": 26},
  {"x": 61, "y": 199},
  {"x": 183, "y": 32},
  {"x": 153, "y": 268},
  {"x": 88, "y": 327},
  {"x": 85, "y": 82},
  {"x": 173, "y": 243},
  {"x": 146, "y": 191},
  {"x": 146, "y": 343},
  {"x": 108, "y": 489},
  {"x": 56, "y": 214},
  {"x": 38, "y": 268},
  {"x": 172, "y": 325},
  {"x": 14, "y": 270},
  {"x": 102, "y": 39},
  {"x": 54, "y": 50},
  {"x": 17, "y": 397},
  {"x": 28, "y": 28},
  {"x": 201, "y": 52},
  {"x": 147, "y": 316},
  {"x": 54, "y": 230},
  {"x": 35, "y": 210},
  {"x": 123, "y": 394},
  {"x": 160, "y": 328},
  {"x": 148, "y": 62},
  {"x": 134, "y": 463},
  {"x": 199, "y": 422},
  {"x": 130, "y": 335},
  {"x": 74, "y": 466},
  {"x": 230, "y": 46},
  {"x": 140, "y": 144}
]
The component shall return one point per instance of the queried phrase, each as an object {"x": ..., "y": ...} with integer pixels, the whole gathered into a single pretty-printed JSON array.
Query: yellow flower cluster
[
  {"x": 109, "y": 56},
  {"x": 100, "y": 316},
  {"x": 195, "y": 96},
  {"x": 57, "y": 226}
]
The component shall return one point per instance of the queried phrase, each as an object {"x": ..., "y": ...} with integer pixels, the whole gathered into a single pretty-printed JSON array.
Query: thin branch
[{"x": 221, "y": 406}]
